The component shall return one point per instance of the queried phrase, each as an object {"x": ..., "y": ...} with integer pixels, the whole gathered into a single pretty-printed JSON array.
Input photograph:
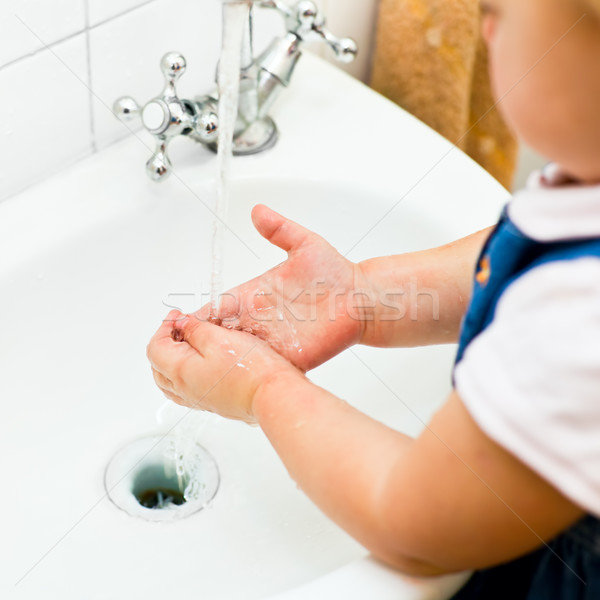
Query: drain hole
[
  {"x": 153, "y": 487},
  {"x": 142, "y": 480},
  {"x": 160, "y": 498}
]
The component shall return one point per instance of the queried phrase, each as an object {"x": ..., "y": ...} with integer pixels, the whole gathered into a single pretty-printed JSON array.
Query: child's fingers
[
  {"x": 278, "y": 230},
  {"x": 174, "y": 317},
  {"x": 204, "y": 312},
  {"x": 198, "y": 334},
  {"x": 174, "y": 397},
  {"x": 161, "y": 338},
  {"x": 229, "y": 308},
  {"x": 166, "y": 387},
  {"x": 164, "y": 383},
  {"x": 164, "y": 352}
]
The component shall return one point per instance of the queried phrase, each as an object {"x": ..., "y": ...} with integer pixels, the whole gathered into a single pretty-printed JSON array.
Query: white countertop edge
[{"x": 369, "y": 578}]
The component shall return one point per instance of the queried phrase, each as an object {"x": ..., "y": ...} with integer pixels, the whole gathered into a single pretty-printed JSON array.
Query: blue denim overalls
[{"x": 540, "y": 575}]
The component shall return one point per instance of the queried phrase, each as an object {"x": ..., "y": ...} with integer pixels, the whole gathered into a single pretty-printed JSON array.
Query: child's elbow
[{"x": 409, "y": 565}]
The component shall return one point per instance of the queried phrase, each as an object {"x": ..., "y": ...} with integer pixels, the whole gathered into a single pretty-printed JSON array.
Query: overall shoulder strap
[{"x": 507, "y": 255}]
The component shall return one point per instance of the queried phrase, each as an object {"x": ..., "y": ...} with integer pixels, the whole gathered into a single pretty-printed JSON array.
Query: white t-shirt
[{"x": 531, "y": 380}]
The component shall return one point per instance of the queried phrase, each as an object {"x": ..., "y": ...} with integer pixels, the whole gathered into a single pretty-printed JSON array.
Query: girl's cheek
[{"x": 488, "y": 28}]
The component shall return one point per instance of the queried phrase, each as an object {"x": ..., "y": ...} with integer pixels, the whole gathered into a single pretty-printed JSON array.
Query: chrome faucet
[{"x": 261, "y": 80}]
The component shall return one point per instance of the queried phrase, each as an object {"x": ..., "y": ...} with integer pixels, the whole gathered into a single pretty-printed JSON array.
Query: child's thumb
[{"x": 278, "y": 230}]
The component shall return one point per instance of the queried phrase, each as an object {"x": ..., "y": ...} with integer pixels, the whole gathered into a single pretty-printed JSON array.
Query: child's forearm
[
  {"x": 426, "y": 506},
  {"x": 420, "y": 298},
  {"x": 338, "y": 456}
]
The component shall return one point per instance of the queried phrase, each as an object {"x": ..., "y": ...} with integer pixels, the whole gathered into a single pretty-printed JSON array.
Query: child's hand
[
  {"x": 199, "y": 365},
  {"x": 305, "y": 308}
]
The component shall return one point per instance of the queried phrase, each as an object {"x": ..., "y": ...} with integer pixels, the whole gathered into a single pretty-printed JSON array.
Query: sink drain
[
  {"x": 160, "y": 498},
  {"x": 161, "y": 478}
]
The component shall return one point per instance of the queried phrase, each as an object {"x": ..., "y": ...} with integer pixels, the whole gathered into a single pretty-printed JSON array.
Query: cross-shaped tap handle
[
  {"x": 305, "y": 20},
  {"x": 167, "y": 116}
]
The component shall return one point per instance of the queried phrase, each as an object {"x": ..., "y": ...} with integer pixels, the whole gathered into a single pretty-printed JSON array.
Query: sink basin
[{"x": 93, "y": 257}]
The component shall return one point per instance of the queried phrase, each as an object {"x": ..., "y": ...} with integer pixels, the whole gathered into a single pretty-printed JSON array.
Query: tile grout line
[
  {"x": 86, "y": 28},
  {"x": 86, "y": 9},
  {"x": 41, "y": 49}
]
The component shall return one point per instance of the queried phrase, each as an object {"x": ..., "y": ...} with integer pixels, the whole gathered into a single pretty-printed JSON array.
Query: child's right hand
[{"x": 305, "y": 308}]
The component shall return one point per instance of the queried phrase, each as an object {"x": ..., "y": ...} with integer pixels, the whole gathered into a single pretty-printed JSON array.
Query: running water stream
[
  {"x": 181, "y": 448},
  {"x": 235, "y": 19}
]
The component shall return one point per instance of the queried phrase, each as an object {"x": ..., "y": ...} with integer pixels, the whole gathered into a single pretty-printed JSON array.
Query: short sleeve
[{"x": 531, "y": 379}]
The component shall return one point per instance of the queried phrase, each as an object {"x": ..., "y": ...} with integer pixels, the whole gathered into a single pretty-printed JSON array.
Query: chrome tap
[{"x": 261, "y": 80}]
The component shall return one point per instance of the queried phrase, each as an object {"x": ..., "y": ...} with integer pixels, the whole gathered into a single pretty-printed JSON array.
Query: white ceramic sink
[{"x": 91, "y": 258}]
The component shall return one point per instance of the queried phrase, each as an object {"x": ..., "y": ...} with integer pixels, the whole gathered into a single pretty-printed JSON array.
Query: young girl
[{"x": 506, "y": 477}]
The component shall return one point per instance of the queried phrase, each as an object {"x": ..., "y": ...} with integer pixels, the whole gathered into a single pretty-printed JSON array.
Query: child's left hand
[{"x": 204, "y": 366}]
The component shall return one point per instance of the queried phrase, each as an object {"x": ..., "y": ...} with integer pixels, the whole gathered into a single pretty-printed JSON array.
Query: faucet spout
[
  {"x": 247, "y": 57},
  {"x": 261, "y": 79},
  {"x": 248, "y": 100}
]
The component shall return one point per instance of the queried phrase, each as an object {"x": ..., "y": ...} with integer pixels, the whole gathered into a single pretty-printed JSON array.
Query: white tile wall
[
  {"x": 26, "y": 26},
  {"x": 46, "y": 118},
  {"x": 103, "y": 10},
  {"x": 64, "y": 62},
  {"x": 122, "y": 64},
  {"x": 357, "y": 20}
]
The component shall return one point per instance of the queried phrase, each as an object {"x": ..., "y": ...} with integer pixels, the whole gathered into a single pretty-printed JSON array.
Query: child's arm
[
  {"x": 450, "y": 500},
  {"x": 317, "y": 303},
  {"x": 435, "y": 288}
]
